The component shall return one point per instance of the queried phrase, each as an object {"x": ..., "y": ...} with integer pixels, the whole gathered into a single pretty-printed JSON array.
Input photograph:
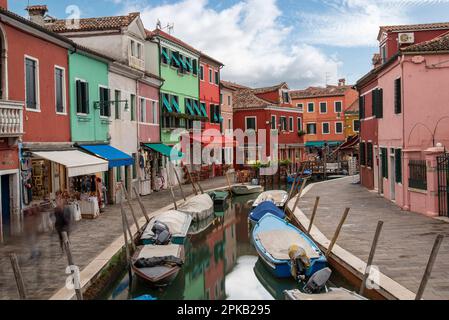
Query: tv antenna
[
  {"x": 169, "y": 27},
  {"x": 328, "y": 76}
]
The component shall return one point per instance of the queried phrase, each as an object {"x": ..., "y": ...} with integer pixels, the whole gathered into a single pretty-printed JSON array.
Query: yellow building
[{"x": 352, "y": 122}]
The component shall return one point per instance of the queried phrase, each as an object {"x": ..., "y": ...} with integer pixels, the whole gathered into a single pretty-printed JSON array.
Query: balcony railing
[
  {"x": 11, "y": 118},
  {"x": 136, "y": 63}
]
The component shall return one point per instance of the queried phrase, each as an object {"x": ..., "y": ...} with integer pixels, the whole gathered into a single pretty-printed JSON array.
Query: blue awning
[
  {"x": 165, "y": 150},
  {"x": 115, "y": 157},
  {"x": 320, "y": 144}
]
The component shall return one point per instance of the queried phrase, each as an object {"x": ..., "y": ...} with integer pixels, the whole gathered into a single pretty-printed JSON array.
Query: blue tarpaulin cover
[
  {"x": 265, "y": 208},
  {"x": 115, "y": 157}
]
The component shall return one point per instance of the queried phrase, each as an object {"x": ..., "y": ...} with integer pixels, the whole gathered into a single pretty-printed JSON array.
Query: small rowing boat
[
  {"x": 278, "y": 197},
  {"x": 178, "y": 224},
  {"x": 200, "y": 207},
  {"x": 219, "y": 197},
  {"x": 264, "y": 208},
  {"x": 200, "y": 226},
  {"x": 244, "y": 189},
  {"x": 273, "y": 237},
  {"x": 158, "y": 265}
]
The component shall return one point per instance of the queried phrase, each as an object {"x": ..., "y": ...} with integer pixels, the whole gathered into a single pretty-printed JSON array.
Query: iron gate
[{"x": 443, "y": 184}]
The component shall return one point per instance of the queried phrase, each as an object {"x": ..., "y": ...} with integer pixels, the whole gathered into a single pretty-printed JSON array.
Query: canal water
[{"x": 221, "y": 263}]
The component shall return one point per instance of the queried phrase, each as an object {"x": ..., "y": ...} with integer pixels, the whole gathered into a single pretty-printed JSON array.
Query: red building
[
  {"x": 268, "y": 111},
  {"x": 34, "y": 101}
]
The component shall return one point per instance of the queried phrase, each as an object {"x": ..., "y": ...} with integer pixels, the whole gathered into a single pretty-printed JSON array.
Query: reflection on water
[{"x": 220, "y": 263}]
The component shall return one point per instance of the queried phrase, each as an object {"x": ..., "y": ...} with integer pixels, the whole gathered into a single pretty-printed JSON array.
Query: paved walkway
[
  {"x": 405, "y": 242},
  {"x": 45, "y": 275}
]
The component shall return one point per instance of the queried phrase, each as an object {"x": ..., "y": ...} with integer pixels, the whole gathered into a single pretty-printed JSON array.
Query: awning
[
  {"x": 77, "y": 163},
  {"x": 115, "y": 157},
  {"x": 165, "y": 150},
  {"x": 321, "y": 143}
]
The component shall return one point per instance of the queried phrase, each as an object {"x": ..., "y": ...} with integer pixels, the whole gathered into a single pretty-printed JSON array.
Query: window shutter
[
  {"x": 398, "y": 165},
  {"x": 397, "y": 96},
  {"x": 362, "y": 154},
  {"x": 380, "y": 103},
  {"x": 86, "y": 86},
  {"x": 79, "y": 97}
]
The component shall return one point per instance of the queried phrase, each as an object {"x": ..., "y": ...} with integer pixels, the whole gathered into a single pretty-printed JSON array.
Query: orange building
[{"x": 324, "y": 115}]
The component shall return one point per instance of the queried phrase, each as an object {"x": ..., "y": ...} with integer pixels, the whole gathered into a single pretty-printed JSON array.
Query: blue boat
[
  {"x": 272, "y": 236},
  {"x": 266, "y": 207},
  {"x": 291, "y": 177},
  {"x": 145, "y": 297}
]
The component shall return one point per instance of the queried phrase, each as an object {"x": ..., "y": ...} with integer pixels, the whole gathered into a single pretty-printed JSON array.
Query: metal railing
[
  {"x": 418, "y": 174},
  {"x": 11, "y": 118}
]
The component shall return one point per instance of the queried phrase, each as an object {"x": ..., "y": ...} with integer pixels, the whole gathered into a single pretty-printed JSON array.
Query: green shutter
[
  {"x": 385, "y": 163},
  {"x": 166, "y": 103},
  {"x": 398, "y": 165},
  {"x": 203, "y": 110},
  {"x": 362, "y": 154},
  {"x": 175, "y": 104},
  {"x": 189, "y": 107},
  {"x": 175, "y": 58},
  {"x": 397, "y": 96},
  {"x": 195, "y": 107},
  {"x": 165, "y": 55}
]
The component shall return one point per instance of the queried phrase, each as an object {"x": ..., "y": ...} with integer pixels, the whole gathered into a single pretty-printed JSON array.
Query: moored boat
[
  {"x": 178, "y": 224},
  {"x": 243, "y": 189},
  {"x": 219, "y": 197},
  {"x": 272, "y": 237},
  {"x": 332, "y": 294},
  {"x": 158, "y": 265},
  {"x": 278, "y": 197},
  {"x": 198, "y": 227},
  {"x": 264, "y": 208},
  {"x": 200, "y": 207}
]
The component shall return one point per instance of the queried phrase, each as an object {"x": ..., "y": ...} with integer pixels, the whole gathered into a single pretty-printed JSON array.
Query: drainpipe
[{"x": 404, "y": 190}]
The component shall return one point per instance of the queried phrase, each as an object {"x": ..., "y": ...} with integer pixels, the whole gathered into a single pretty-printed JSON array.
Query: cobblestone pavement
[
  {"x": 405, "y": 242},
  {"x": 45, "y": 275}
]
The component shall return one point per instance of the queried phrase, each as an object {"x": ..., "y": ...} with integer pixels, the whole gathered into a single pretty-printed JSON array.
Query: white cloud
[
  {"x": 248, "y": 38},
  {"x": 355, "y": 23}
]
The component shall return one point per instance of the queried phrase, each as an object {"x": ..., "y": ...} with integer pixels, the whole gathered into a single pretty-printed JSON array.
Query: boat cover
[
  {"x": 199, "y": 207},
  {"x": 277, "y": 242},
  {"x": 333, "y": 294},
  {"x": 265, "y": 208},
  {"x": 170, "y": 261},
  {"x": 177, "y": 222},
  {"x": 279, "y": 197},
  {"x": 150, "y": 251}
]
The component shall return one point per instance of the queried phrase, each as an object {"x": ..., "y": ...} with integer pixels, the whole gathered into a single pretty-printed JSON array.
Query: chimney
[
  {"x": 341, "y": 82},
  {"x": 4, "y": 4},
  {"x": 37, "y": 13},
  {"x": 377, "y": 60}
]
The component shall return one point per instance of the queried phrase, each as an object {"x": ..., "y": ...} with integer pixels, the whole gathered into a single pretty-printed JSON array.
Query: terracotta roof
[
  {"x": 354, "y": 107},
  {"x": 205, "y": 56},
  {"x": 232, "y": 85},
  {"x": 94, "y": 24},
  {"x": 37, "y": 8},
  {"x": 328, "y": 91},
  {"x": 169, "y": 37},
  {"x": 270, "y": 89},
  {"x": 245, "y": 97},
  {"x": 149, "y": 33},
  {"x": 440, "y": 43},
  {"x": 414, "y": 27}
]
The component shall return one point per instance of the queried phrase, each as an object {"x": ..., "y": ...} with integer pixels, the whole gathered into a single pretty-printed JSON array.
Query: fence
[{"x": 418, "y": 174}]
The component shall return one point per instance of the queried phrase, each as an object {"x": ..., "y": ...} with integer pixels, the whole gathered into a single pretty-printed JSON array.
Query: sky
[{"x": 265, "y": 42}]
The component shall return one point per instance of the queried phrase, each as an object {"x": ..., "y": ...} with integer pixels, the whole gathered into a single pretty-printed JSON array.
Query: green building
[{"x": 88, "y": 87}]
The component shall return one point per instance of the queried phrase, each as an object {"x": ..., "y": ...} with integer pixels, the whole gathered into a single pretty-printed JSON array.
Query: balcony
[
  {"x": 136, "y": 63},
  {"x": 11, "y": 119}
]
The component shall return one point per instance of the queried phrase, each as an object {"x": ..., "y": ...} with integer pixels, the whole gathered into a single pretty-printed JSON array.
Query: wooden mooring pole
[
  {"x": 171, "y": 190},
  {"x": 191, "y": 181},
  {"x": 299, "y": 196},
  {"x": 75, "y": 275},
  {"x": 139, "y": 200},
  {"x": 179, "y": 180},
  {"x": 229, "y": 184},
  {"x": 312, "y": 218},
  {"x": 18, "y": 276},
  {"x": 429, "y": 267},
  {"x": 130, "y": 206},
  {"x": 371, "y": 257},
  {"x": 337, "y": 232},
  {"x": 125, "y": 235}
]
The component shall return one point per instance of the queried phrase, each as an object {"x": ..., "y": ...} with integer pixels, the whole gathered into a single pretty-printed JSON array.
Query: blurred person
[
  {"x": 62, "y": 218},
  {"x": 31, "y": 224}
]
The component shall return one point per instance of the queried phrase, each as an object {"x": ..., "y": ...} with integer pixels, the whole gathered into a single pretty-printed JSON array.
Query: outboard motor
[
  {"x": 318, "y": 281},
  {"x": 162, "y": 235}
]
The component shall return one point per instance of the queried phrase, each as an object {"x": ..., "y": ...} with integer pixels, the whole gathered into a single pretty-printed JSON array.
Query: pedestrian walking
[{"x": 62, "y": 218}]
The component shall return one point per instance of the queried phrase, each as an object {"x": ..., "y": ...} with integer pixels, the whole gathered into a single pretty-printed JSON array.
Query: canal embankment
[{"x": 404, "y": 245}]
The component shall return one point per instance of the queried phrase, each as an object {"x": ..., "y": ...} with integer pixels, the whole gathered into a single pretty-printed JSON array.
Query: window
[
  {"x": 290, "y": 124},
  {"x": 398, "y": 165},
  {"x": 154, "y": 106},
  {"x": 286, "y": 96},
  {"x": 397, "y": 96},
  {"x": 118, "y": 171},
  {"x": 229, "y": 100},
  {"x": 133, "y": 107},
  {"x": 195, "y": 67},
  {"x": 299, "y": 124},
  {"x": 217, "y": 78},
  {"x": 383, "y": 52},
  {"x": 338, "y": 106},
  {"x": 175, "y": 59},
  {"x": 229, "y": 124},
  {"x": 211, "y": 80},
  {"x": 300, "y": 107},
  {"x": 283, "y": 123},
  {"x": 311, "y": 128},
  {"x": 165, "y": 58},
  {"x": 311, "y": 107},
  {"x": 60, "y": 90},
  {"x": 134, "y": 155},
  {"x": 418, "y": 174},
  {"x": 250, "y": 123},
  {"x": 188, "y": 64},
  {"x": 273, "y": 122},
  {"x": 369, "y": 154},
  {"x": 105, "y": 107},
  {"x": 384, "y": 158},
  {"x": 215, "y": 116},
  {"x": 139, "y": 51},
  {"x": 362, "y": 153},
  {"x": 201, "y": 73},
  {"x": 143, "y": 111},
  {"x": 338, "y": 127},
  {"x": 326, "y": 128},
  {"x": 377, "y": 100},
  {"x": 32, "y": 83},
  {"x": 82, "y": 97},
  {"x": 133, "y": 48},
  {"x": 356, "y": 125},
  {"x": 323, "y": 107},
  {"x": 117, "y": 104},
  {"x": 362, "y": 107}
]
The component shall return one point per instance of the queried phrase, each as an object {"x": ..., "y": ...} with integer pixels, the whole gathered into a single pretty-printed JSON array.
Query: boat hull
[{"x": 242, "y": 190}]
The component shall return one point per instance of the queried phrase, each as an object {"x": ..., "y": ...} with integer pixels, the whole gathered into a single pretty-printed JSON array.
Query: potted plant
[{"x": 301, "y": 133}]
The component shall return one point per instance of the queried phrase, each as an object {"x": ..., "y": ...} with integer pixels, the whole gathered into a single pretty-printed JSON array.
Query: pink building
[{"x": 410, "y": 106}]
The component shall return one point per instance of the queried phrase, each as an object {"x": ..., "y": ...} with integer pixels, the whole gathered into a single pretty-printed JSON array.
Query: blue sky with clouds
[{"x": 262, "y": 42}]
